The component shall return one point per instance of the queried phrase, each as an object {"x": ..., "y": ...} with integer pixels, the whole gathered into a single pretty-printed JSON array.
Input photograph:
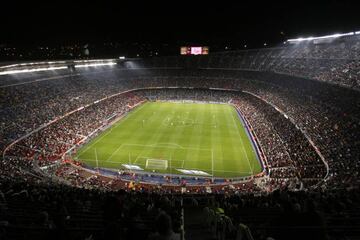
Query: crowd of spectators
[
  {"x": 327, "y": 121},
  {"x": 282, "y": 215},
  {"x": 298, "y": 152},
  {"x": 326, "y": 114},
  {"x": 289, "y": 154},
  {"x": 48, "y": 211},
  {"x": 45, "y": 210},
  {"x": 50, "y": 143},
  {"x": 335, "y": 62}
]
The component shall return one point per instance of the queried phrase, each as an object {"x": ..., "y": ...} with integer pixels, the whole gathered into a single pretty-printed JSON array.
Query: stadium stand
[{"x": 301, "y": 100}]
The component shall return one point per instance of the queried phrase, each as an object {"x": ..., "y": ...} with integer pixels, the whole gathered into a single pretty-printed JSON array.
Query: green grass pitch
[{"x": 176, "y": 138}]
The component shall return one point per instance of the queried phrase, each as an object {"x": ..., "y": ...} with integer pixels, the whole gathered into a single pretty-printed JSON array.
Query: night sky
[{"x": 174, "y": 22}]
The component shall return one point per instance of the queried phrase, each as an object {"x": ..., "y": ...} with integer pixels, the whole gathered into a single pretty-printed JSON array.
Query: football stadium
[{"x": 191, "y": 140}]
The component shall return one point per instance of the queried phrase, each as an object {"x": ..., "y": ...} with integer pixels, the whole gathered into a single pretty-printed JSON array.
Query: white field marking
[
  {"x": 120, "y": 121},
  {"x": 114, "y": 126},
  {"x": 136, "y": 159},
  {"x": 160, "y": 164},
  {"x": 174, "y": 146},
  {"x": 183, "y": 162},
  {"x": 173, "y": 160},
  {"x": 141, "y": 157},
  {"x": 113, "y": 153},
  {"x": 155, "y": 146},
  {"x": 205, "y": 169},
  {"x": 92, "y": 160},
  {"x": 212, "y": 162},
  {"x": 143, "y": 164},
  {"x": 97, "y": 140},
  {"x": 243, "y": 146}
]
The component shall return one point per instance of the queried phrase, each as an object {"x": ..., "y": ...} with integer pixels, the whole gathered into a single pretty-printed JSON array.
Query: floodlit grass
[{"x": 173, "y": 138}]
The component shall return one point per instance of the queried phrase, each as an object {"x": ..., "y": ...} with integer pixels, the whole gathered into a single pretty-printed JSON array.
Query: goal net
[{"x": 156, "y": 164}]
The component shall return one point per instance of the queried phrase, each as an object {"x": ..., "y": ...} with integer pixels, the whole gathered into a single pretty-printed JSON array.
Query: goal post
[{"x": 159, "y": 164}]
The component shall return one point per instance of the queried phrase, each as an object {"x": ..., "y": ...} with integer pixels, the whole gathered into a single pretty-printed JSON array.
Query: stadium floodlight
[
  {"x": 122, "y": 57},
  {"x": 322, "y": 37},
  {"x": 10, "y": 66},
  {"x": 94, "y": 64},
  {"x": 31, "y": 64},
  {"x": 94, "y": 60},
  {"x": 89, "y": 60},
  {"x": 30, "y": 70}
]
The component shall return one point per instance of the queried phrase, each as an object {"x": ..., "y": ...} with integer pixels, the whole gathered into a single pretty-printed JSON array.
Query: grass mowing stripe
[
  {"x": 241, "y": 139},
  {"x": 107, "y": 131},
  {"x": 189, "y": 140}
]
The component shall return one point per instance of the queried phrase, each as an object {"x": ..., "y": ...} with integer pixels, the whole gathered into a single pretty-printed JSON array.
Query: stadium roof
[{"x": 337, "y": 35}]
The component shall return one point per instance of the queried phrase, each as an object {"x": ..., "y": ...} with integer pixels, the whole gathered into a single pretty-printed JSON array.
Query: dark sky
[{"x": 172, "y": 21}]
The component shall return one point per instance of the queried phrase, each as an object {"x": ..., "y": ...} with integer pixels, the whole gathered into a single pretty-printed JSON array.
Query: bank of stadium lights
[
  {"x": 31, "y": 70},
  {"x": 94, "y": 64},
  {"x": 28, "y": 67},
  {"x": 323, "y": 37},
  {"x": 55, "y": 62},
  {"x": 31, "y": 64},
  {"x": 93, "y": 60}
]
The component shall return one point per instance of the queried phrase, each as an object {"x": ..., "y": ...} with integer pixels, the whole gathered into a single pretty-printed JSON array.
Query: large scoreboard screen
[{"x": 194, "y": 50}]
